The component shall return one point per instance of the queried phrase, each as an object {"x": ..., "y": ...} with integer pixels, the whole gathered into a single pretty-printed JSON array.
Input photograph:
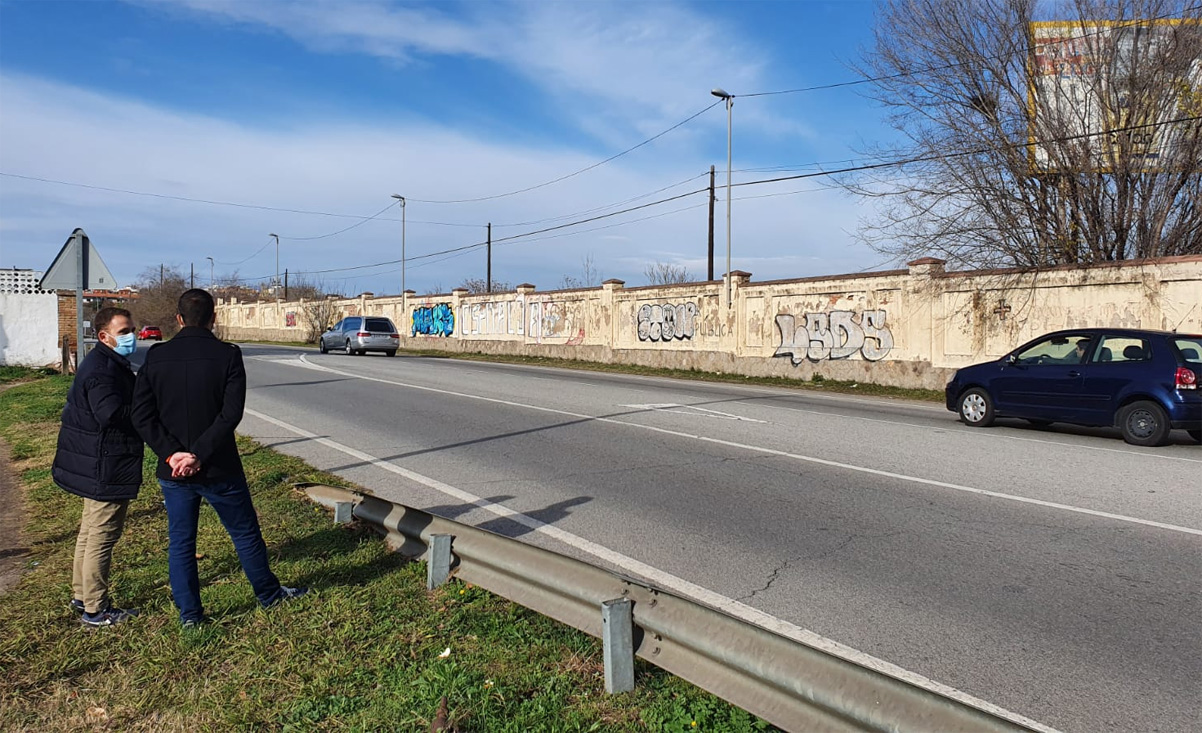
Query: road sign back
[{"x": 63, "y": 273}]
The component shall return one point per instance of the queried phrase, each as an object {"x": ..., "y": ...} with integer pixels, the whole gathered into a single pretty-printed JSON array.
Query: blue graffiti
[{"x": 438, "y": 320}]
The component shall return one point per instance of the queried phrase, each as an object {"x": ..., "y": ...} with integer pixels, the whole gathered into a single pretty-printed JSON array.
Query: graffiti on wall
[
  {"x": 491, "y": 318},
  {"x": 665, "y": 322},
  {"x": 290, "y": 319},
  {"x": 833, "y": 335},
  {"x": 433, "y": 320},
  {"x": 554, "y": 320}
]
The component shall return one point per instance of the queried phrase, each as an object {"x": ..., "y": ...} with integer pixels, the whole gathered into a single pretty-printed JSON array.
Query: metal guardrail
[{"x": 790, "y": 684}]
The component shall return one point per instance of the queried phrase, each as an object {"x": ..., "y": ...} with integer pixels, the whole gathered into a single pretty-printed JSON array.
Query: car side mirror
[{"x": 1012, "y": 360}]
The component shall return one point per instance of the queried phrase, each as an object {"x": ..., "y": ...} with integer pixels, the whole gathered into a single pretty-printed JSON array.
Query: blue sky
[{"x": 333, "y": 106}]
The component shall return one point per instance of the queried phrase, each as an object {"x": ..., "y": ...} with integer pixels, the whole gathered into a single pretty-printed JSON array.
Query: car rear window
[
  {"x": 1190, "y": 348},
  {"x": 380, "y": 325},
  {"x": 1123, "y": 348}
]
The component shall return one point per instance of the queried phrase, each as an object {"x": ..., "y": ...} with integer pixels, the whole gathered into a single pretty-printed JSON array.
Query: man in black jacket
[
  {"x": 99, "y": 458},
  {"x": 188, "y": 400}
]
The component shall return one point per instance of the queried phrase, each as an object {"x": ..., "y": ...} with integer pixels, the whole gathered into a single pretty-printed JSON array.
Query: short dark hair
[
  {"x": 105, "y": 316},
  {"x": 196, "y": 307}
]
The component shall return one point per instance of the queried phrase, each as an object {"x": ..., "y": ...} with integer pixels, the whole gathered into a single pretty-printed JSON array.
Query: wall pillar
[{"x": 609, "y": 307}]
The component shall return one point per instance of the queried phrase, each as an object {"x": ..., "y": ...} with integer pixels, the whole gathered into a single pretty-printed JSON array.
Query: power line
[
  {"x": 212, "y": 202},
  {"x": 854, "y": 169},
  {"x": 651, "y": 139},
  {"x": 944, "y": 67},
  {"x": 347, "y": 229},
  {"x": 248, "y": 259},
  {"x": 966, "y": 153}
]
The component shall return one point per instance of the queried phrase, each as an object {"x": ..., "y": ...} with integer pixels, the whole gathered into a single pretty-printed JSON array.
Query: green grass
[
  {"x": 10, "y": 374},
  {"x": 359, "y": 653}
]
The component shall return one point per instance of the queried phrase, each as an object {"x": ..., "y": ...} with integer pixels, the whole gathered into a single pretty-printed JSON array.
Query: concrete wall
[
  {"x": 909, "y": 327},
  {"x": 29, "y": 329}
]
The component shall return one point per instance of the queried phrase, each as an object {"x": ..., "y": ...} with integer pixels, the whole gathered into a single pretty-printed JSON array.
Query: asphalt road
[{"x": 1055, "y": 573}]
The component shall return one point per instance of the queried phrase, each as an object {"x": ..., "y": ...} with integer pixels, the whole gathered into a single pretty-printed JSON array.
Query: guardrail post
[
  {"x": 343, "y": 512},
  {"x": 438, "y": 560},
  {"x": 617, "y": 635}
]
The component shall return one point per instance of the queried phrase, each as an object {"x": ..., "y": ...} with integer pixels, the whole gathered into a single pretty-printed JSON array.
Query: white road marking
[
  {"x": 847, "y": 400},
  {"x": 783, "y": 454},
  {"x": 976, "y": 433},
  {"x": 684, "y": 410},
  {"x": 666, "y": 580}
]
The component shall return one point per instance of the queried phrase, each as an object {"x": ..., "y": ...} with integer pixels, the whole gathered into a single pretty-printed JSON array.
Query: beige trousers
[{"x": 99, "y": 529}]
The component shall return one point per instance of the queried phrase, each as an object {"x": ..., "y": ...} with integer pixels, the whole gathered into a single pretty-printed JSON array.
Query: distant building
[{"x": 15, "y": 280}]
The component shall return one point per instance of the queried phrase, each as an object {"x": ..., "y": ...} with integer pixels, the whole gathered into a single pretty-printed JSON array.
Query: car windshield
[
  {"x": 1072, "y": 349},
  {"x": 1190, "y": 348},
  {"x": 380, "y": 325}
]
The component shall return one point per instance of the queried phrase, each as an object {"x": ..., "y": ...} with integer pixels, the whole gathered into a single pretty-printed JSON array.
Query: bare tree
[
  {"x": 1003, "y": 172},
  {"x": 663, "y": 273},
  {"x": 476, "y": 285},
  {"x": 590, "y": 276},
  {"x": 319, "y": 316},
  {"x": 159, "y": 289}
]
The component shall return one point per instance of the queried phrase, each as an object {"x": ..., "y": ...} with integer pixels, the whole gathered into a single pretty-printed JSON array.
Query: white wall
[{"x": 29, "y": 329}]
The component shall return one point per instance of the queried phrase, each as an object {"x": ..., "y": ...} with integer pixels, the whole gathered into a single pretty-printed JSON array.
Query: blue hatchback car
[{"x": 1143, "y": 382}]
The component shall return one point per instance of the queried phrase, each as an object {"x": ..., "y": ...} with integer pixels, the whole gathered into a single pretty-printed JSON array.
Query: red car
[{"x": 150, "y": 333}]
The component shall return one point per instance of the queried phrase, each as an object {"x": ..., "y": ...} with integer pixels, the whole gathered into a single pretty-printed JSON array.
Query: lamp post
[
  {"x": 401, "y": 198},
  {"x": 277, "y": 259},
  {"x": 210, "y": 259},
  {"x": 730, "y": 102}
]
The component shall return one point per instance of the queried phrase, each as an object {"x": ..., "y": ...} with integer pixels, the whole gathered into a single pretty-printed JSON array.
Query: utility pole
[
  {"x": 191, "y": 274},
  {"x": 489, "y": 272},
  {"x": 712, "y": 199},
  {"x": 160, "y": 276},
  {"x": 210, "y": 259},
  {"x": 285, "y": 284},
  {"x": 730, "y": 103},
  {"x": 401, "y": 198},
  {"x": 277, "y": 263}
]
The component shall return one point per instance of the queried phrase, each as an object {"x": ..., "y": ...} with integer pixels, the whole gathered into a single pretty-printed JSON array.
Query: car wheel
[
  {"x": 348, "y": 350},
  {"x": 321, "y": 345},
  {"x": 976, "y": 408},
  {"x": 1144, "y": 423},
  {"x": 1196, "y": 435},
  {"x": 1039, "y": 423},
  {"x": 390, "y": 353}
]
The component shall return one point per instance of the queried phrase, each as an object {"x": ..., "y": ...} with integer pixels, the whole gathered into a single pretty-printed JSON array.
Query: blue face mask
[{"x": 127, "y": 343}]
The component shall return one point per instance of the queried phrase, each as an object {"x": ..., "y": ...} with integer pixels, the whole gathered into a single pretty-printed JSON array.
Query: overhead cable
[
  {"x": 944, "y": 67},
  {"x": 651, "y": 139}
]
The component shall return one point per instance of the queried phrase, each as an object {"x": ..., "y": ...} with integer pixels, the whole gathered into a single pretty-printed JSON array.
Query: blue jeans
[{"x": 231, "y": 500}]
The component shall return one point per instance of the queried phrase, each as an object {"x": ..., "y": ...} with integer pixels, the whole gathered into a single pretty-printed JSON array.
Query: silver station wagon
[{"x": 359, "y": 335}]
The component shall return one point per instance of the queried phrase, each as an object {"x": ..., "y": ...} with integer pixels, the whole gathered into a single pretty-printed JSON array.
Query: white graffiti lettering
[
  {"x": 833, "y": 335},
  {"x": 665, "y": 322}
]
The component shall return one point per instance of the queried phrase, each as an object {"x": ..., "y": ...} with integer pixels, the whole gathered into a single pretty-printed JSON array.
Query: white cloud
[
  {"x": 60, "y": 132},
  {"x": 626, "y": 67}
]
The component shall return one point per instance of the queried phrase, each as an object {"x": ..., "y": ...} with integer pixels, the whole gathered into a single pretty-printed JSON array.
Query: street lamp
[
  {"x": 210, "y": 259},
  {"x": 401, "y": 198},
  {"x": 730, "y": 102},
  {"x": 277, "y": 259}
]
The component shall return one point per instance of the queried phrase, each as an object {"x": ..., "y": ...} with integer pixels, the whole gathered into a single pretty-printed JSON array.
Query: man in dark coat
[
  {"x": 188, "y": 400},
  {"x": 99, "y": 458}
]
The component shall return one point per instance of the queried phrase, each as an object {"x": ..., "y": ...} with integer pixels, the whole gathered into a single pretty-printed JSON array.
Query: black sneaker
[
  {"x": 195, "y": 623},
  {"x": 77, "y": 606},
  {"x": 108, "y": 617}
]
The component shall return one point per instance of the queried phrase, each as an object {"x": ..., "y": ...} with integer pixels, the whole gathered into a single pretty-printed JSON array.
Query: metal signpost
[{"x": 78, "y": 267}]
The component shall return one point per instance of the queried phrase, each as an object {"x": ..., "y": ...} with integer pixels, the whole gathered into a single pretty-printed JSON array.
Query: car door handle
[{"x": 1074, "y": 373}]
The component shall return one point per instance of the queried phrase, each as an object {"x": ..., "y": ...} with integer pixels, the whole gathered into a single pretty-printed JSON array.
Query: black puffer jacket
[{"x": 99, "y": 453}]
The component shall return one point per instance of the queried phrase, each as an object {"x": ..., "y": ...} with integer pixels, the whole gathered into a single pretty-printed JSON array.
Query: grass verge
[
  {"x": 10, "y": 374},
  {"x": 363, "y": 652}
]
